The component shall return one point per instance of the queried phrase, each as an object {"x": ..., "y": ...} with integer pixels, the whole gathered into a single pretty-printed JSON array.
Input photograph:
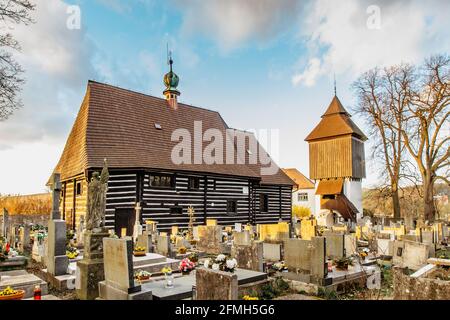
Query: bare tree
[
  {"x": 11, "y": 12},
  {"x": 381, "y": 99},
  {"x": 426, "y": 134},
  {"x": 408, "y": 109}
]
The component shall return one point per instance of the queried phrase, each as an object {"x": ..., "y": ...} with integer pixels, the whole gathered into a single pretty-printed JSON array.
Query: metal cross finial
[
  {"x": 169, "y": 57},
  {"x": 335, "y": 84}
]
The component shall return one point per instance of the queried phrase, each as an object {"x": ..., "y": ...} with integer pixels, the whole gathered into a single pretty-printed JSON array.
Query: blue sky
[{"x": 263, "y": 64}]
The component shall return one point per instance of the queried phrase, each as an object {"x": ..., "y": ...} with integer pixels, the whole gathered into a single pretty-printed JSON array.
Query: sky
[{"x": 263, "y": 64}]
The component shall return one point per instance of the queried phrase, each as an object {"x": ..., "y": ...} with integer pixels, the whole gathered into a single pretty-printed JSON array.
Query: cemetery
[
  {"x": 128, "y": 223},
  {"x": 216, "y": 262},
  {"x": 333, "y": 253}
]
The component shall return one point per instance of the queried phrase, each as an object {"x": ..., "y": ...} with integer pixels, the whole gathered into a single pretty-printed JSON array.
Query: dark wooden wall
[{"x": 127, "y": 188}]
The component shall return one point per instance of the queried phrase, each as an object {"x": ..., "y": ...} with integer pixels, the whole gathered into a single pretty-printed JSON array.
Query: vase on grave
[{"x": 169, "y": 279}]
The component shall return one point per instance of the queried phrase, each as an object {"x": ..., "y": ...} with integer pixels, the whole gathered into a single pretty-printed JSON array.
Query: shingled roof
[
  {"x": 120, "y": 125},
  {"x": 299, "y": 178},
  {"x": 335, "y": 122}
]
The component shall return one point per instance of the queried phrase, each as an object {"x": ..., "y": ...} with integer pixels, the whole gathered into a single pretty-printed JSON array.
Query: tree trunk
[
  {"x": 428, "y": 201},
  {"x": 396, "y": 203}
]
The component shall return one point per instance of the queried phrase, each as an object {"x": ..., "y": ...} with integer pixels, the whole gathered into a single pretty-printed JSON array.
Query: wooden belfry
[{"x": 336, "y": 161}]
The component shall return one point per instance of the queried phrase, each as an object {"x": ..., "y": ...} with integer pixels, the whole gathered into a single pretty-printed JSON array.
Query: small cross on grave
[
  {"x": 137, "y": 225},
  {"x": 56, "y": 190}
]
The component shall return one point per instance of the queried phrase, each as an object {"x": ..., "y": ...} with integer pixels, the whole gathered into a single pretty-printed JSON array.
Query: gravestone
[
  {"x": 385, "y": 247},
  {"x": 57, "y": 261},
  {"x": 426, "y": 236},
  {"x": 297, "y": 254},
  {"x": 412, "y": 255},
  {"x": 249, "y": 257},
  {"x": 38, "y": 249},
  {"x": 4, "y": 223},
  {"x": 119, "y": 283},
  {"x": 272, "y": 251},
  {"x": 335, "y": 246},
  {"x": 210, "y": 239},
  {"x": 145, "y": 240},
  {"x": 238, "y": 227},
  {"x": 318, "y": 268},
  {"x": 163, "y": 245},
  {"x": 216, "y": 285},
  {"x": 350, "y": 244},
  {"x": 242, "y": 238},
  {"x": 25, "y": 238},
  {"x": 308, "y": 229}
]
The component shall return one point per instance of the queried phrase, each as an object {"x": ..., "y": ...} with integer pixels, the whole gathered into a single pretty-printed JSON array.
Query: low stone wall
[
  {"x": 407, "y": 288},
  {"x": 41, "y": 219}
]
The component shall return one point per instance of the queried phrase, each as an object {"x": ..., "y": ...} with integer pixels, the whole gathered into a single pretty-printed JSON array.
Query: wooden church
[
  {"x": 133, "y": 131},
  {"x": 336, "y": 163}
]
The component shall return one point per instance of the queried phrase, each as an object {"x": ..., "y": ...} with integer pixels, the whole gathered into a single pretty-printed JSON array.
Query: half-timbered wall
[
  {"x": 276, "y": 210},
  {"x": 126, "y": 188},
  {"x": 121, "y": 194}
]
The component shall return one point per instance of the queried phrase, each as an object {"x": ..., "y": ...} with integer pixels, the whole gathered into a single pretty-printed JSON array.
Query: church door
[{"x": 124, "y": 219}]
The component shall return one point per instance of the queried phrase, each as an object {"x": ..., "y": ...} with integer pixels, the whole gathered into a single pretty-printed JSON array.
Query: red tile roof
[
  {"x": 299, "y": 178},
  {"x": 119, "y": 125}
]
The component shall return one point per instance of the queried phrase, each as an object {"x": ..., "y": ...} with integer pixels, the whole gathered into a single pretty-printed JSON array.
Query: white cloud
[
  {"x": 309, "y": 75},
  {"x": 233, "y": 22},
  {"x": 57, "y": 62},
  {"x": 338, "y": 35}
]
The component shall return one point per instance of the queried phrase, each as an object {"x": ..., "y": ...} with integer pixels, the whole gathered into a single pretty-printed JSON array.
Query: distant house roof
[
  {"x": 134, "y": 130},
  {"x": 299, "y": 178},
  {"x": 335, "y": 121}
]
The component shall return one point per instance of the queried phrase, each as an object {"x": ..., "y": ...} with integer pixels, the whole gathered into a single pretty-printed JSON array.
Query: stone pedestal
[
  {"x": 90, "y": 270},
  {"x": 57, "y": 261}
]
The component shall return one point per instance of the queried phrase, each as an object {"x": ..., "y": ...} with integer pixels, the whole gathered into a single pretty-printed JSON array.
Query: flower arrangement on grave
[
  {"x": 166, "y": 270},
  {"x": 168, "y": 275},
  {"x": 279, "y": 266},
  {"x": 364, "y": 253},
  {"x": 142, "y": 275},
  {"x": 343, "y": 263},
  {"x": 38, "y": 227},
  {"x": 10, "y": 294},
  {"x": 221, "y": 262},
  {"x": 247, "y": 297},
  {"x": 139, "y": 251},
  {"x": 182, "y": 250},
  {"x": 173, "y": 238},
  {"x": 72, "y": 252},
  {"x": 193, "y": 257},
  {"x": 186, "y": 265}
]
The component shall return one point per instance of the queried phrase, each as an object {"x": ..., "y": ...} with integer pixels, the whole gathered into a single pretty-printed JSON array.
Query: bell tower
[
  {"x": 337, "y": 163},
  {"x": 171, "y": 81}
]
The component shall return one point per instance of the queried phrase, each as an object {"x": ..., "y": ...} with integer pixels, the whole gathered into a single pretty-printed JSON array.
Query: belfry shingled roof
[
  {"x": 335, "y": 121},
  {"x": 119, "y": 125}
]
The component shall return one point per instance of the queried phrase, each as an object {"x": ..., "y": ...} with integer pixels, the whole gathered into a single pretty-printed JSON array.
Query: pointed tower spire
[{"x": 171, "y": 81}]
